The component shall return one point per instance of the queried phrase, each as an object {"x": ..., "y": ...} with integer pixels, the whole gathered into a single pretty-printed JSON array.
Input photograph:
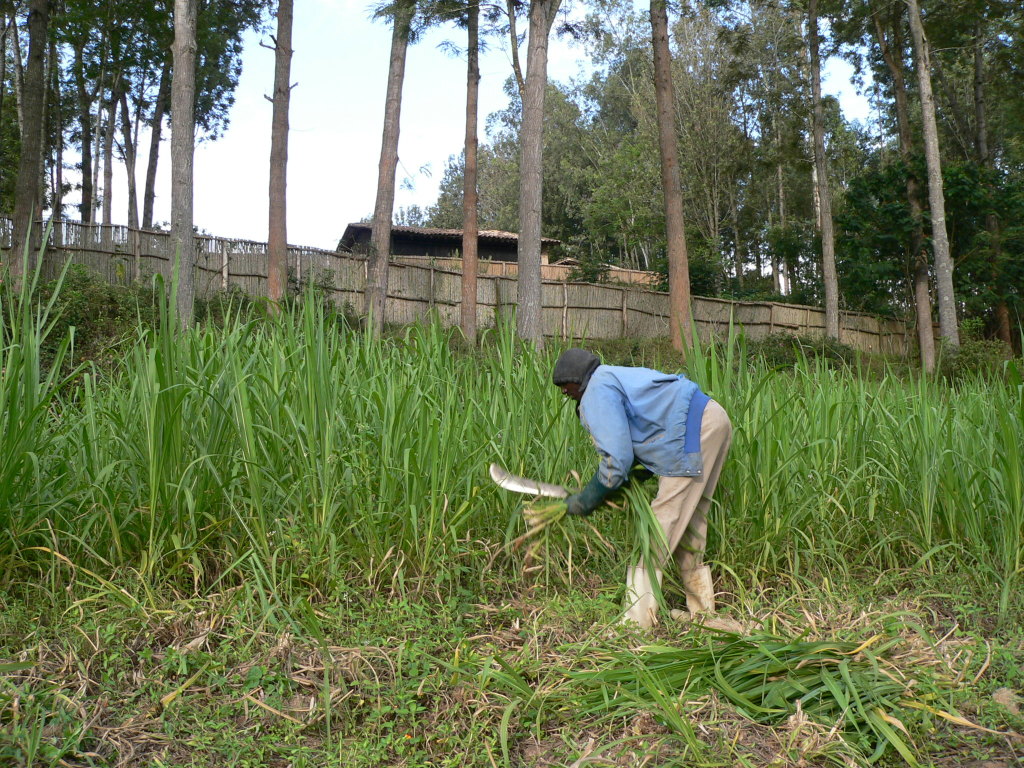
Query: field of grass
[{"x": 273, "y": 541}]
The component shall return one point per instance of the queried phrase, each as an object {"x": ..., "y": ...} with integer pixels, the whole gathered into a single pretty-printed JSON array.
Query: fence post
[
  {"x": 223, "y": 265},
  {"x": 430, "y": 302},
  {"x": 565, "y": 311},
  {"x": 625, "y": 313},
  {"x": 136, "y": 240},
  {"x": 771, "y": 319}
]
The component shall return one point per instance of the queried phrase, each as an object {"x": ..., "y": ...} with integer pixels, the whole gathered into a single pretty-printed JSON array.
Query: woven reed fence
[
  {"x": 577, "y": 310},
  {"x": 560, "y": 272}
]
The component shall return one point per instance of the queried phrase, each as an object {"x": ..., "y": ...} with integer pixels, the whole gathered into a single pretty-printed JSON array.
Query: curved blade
[{"x": 511, "y": 482}]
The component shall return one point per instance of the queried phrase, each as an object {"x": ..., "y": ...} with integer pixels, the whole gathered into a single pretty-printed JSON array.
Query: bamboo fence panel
[
  {"x": 418, "y": 288},
  {"x": 547, "y": 271}
]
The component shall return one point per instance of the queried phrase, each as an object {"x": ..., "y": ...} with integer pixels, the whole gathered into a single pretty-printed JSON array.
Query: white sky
[{"x": 339, "y": 69}]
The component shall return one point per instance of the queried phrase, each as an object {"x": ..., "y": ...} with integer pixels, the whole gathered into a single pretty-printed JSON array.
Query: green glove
[{"x": 590, "y": 498}]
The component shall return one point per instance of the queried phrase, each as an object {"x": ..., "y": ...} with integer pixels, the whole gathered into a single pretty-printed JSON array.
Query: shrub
[
  {"x": 216, "y": 309},
  {"x": 100, "y": 312},
  {"x": 975, "y": 357},
  {"x": 784, "y": 350}
]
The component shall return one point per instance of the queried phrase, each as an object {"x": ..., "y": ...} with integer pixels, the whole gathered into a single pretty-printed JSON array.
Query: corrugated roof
[{"x": 443, "y": 234}]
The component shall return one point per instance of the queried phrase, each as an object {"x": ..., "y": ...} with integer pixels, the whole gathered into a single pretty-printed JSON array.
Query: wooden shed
[{"x": 494, "y": 244}]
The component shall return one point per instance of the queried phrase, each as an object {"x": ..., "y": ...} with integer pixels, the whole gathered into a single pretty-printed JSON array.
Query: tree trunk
[
  {"x": 108, "y": 156},
  {"x": 182, "y": 154},
  {"x": 128, "y": 143},
  {"x": 828, "y": 247},
  {"x": 383, "y": 209},
  {"x": 18, "y": 72},
  {"x": 675, "y": 230},
  {"x": 777, "y": 276},
  {"x": 936, "y": 198},
  {"x": 58, "y": 160},
  {"x": 920, "y": 278},
  {"x": 97, "y": 136},
  {"x": 1003, "y": 326},
  {"x": 156, "y": 128},
  {"x": 85, "y": 123},
  {"x": 470, "y": 233},
  {"x": 27, "y": 191},
  {"x": 3, "y": 70},
  {"x": 44, "y": 132},
  {"x": 517, "y": 70},
  {"x": 277, "y": 237},
  {"x": 531, "y": 176},
  {"x": 738, "y": 258}
]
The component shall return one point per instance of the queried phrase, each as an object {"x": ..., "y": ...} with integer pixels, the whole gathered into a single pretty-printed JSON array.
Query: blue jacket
[{"x": 638, "y": 414}]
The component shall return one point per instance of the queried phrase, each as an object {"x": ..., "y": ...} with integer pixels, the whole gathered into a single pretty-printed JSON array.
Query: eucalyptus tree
[
  {"x": 531, "y": 179},
  {"x": 219, "y": 46},
  {"x": 886, "y": 22},
  {"x": 161, "y": 105},
  {"x": 467, "y": 15},
  {"x": 129, "y": 51},
  {"x": 519, "y": 147},
  {"x": 28, "y": 189},
  {"x": 470, "y": 227},
  {"x": 78, "y": 30},
  {"x": 402, "y": 14},
  {"x": 822, "y": 184},
  {"x": 183, "y": 154},
  {"x": 675, "y": 232},
  {"x": 277, "y": 228},
  {"x": 978, "y": 53},
  {"x": 946, "y": 299}
]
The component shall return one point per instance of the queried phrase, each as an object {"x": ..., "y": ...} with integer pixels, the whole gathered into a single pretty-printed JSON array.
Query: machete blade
[{"x": 511, "y": 482}]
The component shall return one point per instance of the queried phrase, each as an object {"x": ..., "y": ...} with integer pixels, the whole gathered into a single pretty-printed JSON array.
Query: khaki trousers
[
  {"x": 682, "y": 503},
  {"x": 682, "y": 506}
]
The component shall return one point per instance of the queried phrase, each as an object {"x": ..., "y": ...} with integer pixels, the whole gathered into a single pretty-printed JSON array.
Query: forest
[{"x": 743, "y": 125}]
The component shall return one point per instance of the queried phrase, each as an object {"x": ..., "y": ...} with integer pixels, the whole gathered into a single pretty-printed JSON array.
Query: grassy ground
[
  {"x": 473, "y": 676},
  {"x": 272, "y": 541}
]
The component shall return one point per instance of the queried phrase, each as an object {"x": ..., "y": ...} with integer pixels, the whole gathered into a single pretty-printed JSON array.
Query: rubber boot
[
  {"x": 700, "y": 591},
  {"x": 641, "y": 605}
]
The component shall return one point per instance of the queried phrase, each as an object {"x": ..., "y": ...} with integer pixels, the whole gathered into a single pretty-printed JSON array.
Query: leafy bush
[
  {"x": 784, "y": 350},
  {"x": 589, "y": 270},
  {"x": 223, "y": 304},
  {"x": 984, "y": 357},
  {"x": 976, "y": 356},
  {"x": 100, "y": 313}
]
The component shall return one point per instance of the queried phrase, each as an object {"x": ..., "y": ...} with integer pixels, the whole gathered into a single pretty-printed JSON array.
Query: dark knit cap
[{"x": 575, "y": 365}]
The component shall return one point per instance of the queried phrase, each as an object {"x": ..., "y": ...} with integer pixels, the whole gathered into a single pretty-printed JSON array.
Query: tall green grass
[{"x": 295, "y": 451}]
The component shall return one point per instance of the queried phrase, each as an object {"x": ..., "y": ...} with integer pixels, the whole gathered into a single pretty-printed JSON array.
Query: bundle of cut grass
[
  {"x": 860, "y": 692},
  {"x": 542, "y": 513},
  {"x": 550, "y": 540},
  {"x": 553, "y": 537}
]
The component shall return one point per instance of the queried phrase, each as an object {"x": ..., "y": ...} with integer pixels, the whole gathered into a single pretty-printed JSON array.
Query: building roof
[{"x": 437, "y": 234}]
